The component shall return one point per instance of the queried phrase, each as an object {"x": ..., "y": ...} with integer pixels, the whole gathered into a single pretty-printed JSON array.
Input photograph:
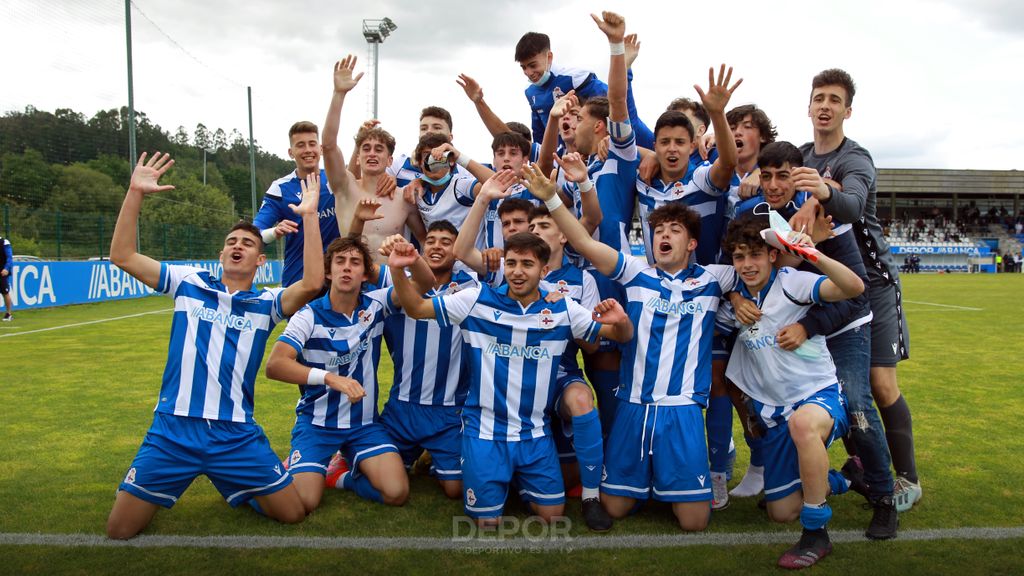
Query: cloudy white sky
[{"x": 938, "y": 82}]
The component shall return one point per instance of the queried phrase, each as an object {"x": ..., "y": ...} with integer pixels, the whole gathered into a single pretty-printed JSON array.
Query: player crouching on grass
[
  {"x": 797, "y": 400},
  {"x": 203, "y": 422},
  {"x": 515, "y": 340},
  {"x": 331, "y": 349}
]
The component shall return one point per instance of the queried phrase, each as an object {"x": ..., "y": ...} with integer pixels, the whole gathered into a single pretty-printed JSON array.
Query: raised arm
[
  {"x": 297, "y": 295},
  {"x": 334, "y": 160},
  {"x": 413, "y": 303},
  {"x": 567, "y": 104},
  {"x": 603, "y": 257},
  {"x": 145, "y": 180},
  {"x": 465, "y": 243},
  {"x": 422, "y": 276},
  {"x": 715, "y": 100},
  {"x": 614, "y": 27},
  {"x": 479, "y": 171},
  {"x": 476, "y": 95},
  {"x": 842, "y": 282},
  {"x": 575, "y": 170}
]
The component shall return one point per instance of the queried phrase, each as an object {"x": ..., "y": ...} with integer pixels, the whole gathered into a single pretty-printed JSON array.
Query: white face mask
[{"x": 544, "y": 78}]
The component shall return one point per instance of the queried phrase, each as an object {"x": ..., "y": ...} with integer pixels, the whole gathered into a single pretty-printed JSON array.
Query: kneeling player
[
  {"x": 796, "y": 395},
  {"x": 331, "y": 349},
  {"x": 516, "y": 340},
  {"x": 203, "y": 422}
]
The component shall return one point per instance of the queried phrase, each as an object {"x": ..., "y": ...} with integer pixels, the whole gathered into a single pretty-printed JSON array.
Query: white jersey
[
  {"x": 451, "y": 204},
  {"x": 762, "y": 369}
]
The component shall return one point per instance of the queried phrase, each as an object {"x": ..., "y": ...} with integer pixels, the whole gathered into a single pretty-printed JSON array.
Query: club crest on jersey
[
  {"x": 296, "y": 456},
  {"x": 691, "y": 282},
  {"x": 827, "y": 173},
  {"x": 470, "y": 497},
  {"x": 453, "y": 287},
  {"x": 557, "y": 93},
  {"x": 365, "y": 317},
  {"x": 563, "y": 287},
  {"x": 129, "y": 478},
  {"x": 545, "y": 320},
  {"x": 678, "y": 188}
]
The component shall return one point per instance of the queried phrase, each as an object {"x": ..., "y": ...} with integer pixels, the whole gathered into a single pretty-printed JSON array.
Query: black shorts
[
  {"x": 4, "y": 288},
  {"x": 890, "y": 338}
]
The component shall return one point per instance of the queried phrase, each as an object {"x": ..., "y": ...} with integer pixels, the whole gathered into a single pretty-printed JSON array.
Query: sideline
[
  {"x": 945, "y": 305},
  {"x": 83, "y": 323}
]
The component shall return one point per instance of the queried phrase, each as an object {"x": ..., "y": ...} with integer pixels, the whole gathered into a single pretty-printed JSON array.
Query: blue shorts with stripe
[
  {"x": 436, "y": 429},
  {"x": 489, "y": 466},
  {"x": 657, "y": 451},
  {"x": 235, "y": 456},
  {"x": 313, "y": 446},
  {"x": 781, "y": 463}
]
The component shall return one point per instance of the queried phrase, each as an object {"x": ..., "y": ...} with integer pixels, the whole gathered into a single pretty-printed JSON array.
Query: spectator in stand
[{"x": 6, "y": 269}]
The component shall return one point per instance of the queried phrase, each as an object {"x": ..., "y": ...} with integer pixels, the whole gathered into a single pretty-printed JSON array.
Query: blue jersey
[
  {"x": 492, "y": 237},
  {"x": 285, "y": 191},
  {"x": 513, "y": 357},
  {"x": 344, "y": 345},
  {"x": 701, "y": 195},
  {"x": 562, "y": 80},
  {"x": 669, "y": 359},
  {"x": 615, "y": 181},
  {"x": 7, "y": 257},
  {"x": 216, "y": 347},
  {"x": 428, "y": 356}
]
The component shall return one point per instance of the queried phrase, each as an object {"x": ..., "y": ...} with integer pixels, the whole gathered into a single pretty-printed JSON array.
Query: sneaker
[
  {"x": 813, "y": 546},
  {"x": 853, "y": 471},
  {"x": 884, "y": 521},
  {"x": 719, "y": 491},
  {"x": 732, "y": 461},
  {"x": 595, "y": 516},
  {"x": 8, "y": 317},
  {"x": 752, "y": 483},
  {"x": 335, "y": 469},
  {"x": 906, "y": 494}
]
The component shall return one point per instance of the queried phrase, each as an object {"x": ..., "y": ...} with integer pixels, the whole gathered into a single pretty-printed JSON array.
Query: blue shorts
[
  {"x": 235, "y": 456},
  {"x": 561, "y": 429},
  {"x": 608, "y": 288},
  {"x": 781, "y": 465},
  {"x": 436, "y": 429},
  {"x": 721, "y": 346},
  {"x": 657, "y": 450},
  {"x": 313, "y": 446},
  {"x": 489, "y": 466}
]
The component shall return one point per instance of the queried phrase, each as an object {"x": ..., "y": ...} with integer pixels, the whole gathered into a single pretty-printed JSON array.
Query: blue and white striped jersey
[
  {"x": 513, "y": 357},
  {"x": 451, "y": 204},
  {"x": 216, "y": 347},
  {"x": 701, "y": 195},
  {"x": 762, "y": 369},
  {"x": 668, "y": 361},
  {"x": 344, "y": 345},
  {"x": 427, "y": 356},
  {"x": 615, "y": 181},
  {"x": 492, "y": 237},
  {"x": 288, "y": 190}
]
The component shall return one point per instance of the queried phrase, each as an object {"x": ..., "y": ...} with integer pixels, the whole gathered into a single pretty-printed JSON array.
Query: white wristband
[
  {"x": 316, "y": 377},
  {"x": 617, "y": 48},
  {"x": 268, "y": 235},
  {"x": 553, "y": 203},
  {"x": 586, "y": 186},
  {"x": 463, "y": 160}
]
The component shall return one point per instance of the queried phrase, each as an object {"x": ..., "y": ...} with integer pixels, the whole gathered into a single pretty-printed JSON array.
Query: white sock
[
  {"x": 589, "y": 493},
  {"x": 752, "y": 483}
]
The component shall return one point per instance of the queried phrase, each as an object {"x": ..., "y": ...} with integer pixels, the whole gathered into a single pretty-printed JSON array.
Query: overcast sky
[{"x": 938, "y": 83}]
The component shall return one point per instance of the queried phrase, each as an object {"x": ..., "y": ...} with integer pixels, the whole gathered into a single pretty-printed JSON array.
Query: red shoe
[
  {"x": 335, "y": 469},
  {"x": 813, "y": 546}
]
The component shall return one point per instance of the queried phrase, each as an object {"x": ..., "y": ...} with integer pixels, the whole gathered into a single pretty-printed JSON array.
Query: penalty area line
[
  {"x": 83, "y": 323},
  {"x": 554, "y": 544}
]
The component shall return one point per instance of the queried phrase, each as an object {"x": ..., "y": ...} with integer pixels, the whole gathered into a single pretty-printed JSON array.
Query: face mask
[
  {"x": 544, "y": 78},
  {"x": 438, "y": 181}
]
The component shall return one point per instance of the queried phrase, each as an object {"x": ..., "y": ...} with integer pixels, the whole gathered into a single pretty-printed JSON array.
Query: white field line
[
  {"x": 555, "y": 544},
  {"x": 945, "y": 305},
  {"x": 83, "y": 323}
]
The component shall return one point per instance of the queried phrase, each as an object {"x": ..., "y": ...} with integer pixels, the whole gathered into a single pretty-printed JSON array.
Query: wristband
[
  {"x": 553, "y": 203},
  {"x": 586, "y": 186},
  {"x": 268, "y": 235},
  {"x": 617, "y": 48},
  {"x": 316, "y": 377},
  {"x": 463, "y": 161}
]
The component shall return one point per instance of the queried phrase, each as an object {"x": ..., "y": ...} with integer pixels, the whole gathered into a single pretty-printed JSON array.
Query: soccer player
[
  {"x": 331, "y": 349},
  {"x": 665, "y": 374},
  {"x": 516, "y": 340},
  {"x": 275, "y": 219},
  {"x": 845, "y": 325},
  {"x": 796, "y": 397},
  {"x": 376, "y": 150},
  {"x": 203, "y": 422},
  {"x": 6, "y": 269},
  {"x": 847, "y": 190},
  {"x": 430, "y": 384}
]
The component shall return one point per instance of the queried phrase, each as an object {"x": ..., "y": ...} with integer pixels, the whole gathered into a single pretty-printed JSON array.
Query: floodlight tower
[{"x": 375, "y": 31}]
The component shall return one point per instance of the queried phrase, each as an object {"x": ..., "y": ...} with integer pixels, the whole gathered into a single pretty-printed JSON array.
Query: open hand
[
  {"x": 472, "y": 88},
  {"x": 719, "y": 92},
  {"x": 573, "y": 167},
  {"x": 146, "y": 176},
  {"x": 541, "y": 186},
  {"x": 310, "y": 203},
  {"x": 343, "y": 79}
]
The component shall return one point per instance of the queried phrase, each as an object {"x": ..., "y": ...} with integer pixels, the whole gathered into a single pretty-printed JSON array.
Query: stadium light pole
[
  {"x": 375, "y": 31},
  {"x": 131, "y": 103}
]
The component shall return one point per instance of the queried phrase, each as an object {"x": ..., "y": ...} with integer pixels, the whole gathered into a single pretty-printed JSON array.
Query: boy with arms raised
[
  {"x": 516, "y": 341},
  {"x": 796, "y": 398},
  {"x": 203, "y": 422}
]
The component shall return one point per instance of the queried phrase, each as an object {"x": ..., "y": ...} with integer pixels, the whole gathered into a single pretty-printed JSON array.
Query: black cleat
[
  {"x": 595, "y": 516},
  {"x": 884, "y": 521}
]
